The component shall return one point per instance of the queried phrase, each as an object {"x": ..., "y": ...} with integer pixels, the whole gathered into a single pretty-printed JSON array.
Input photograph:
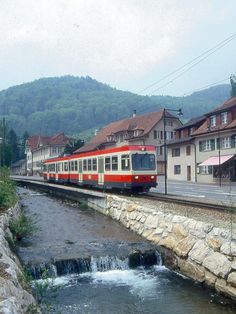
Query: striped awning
[{"x": 216, "y": 160}]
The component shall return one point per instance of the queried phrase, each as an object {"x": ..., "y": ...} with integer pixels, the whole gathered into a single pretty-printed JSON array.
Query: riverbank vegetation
[{"x": 8, "y": 196}]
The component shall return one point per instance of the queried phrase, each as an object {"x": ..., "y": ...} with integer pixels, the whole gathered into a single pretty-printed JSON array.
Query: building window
[
  {"x": 159, "y": 150},
  {"x": 155, "y": 134},
  {"x": 177, "y": 169},
  {"x": 188, "y": 150},
  {"x": 213, "y": 121},
  {"x": 175, "y": 152},
  {"x": 169, "y": 122},
  {"x": 205, "y": 169},
  {"x": 226, "y": 142},
  {"x": 191, "y": 130},
  {"x": 224, "y": 118},
  {"x": 207, "y": 145}
]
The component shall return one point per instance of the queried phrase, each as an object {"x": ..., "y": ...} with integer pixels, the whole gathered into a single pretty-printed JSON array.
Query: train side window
[
  {"x": 89, "y": 164},
  {"x": 72, "y": 166},
  {"x": 62, "y": 166},
  {"x": 65, "y": 166},
  {"x": 76, "y": 165},
  {"x": 114, "y": 163},
  {"x": 108, "y": 163},
  {"x": 94, "y": 164},
  {"x": 84, "y": 165},
  {"x": 125, "y": 162}
]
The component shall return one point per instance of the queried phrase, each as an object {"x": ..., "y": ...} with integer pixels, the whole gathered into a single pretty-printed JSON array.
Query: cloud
[{"x": 111, "y": 40}]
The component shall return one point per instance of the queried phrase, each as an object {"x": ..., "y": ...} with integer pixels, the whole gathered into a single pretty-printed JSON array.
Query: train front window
[
  {"x": 125, "y": 162},
  {"x": 143, "y": 162}
]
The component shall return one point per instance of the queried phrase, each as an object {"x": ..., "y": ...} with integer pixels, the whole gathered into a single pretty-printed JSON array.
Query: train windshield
[{"x": 143, "y": 162}]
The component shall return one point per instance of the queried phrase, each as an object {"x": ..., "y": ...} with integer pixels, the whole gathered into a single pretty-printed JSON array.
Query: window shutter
[
  {"x": 233, "y": 140},
  {"x": 213, "y": 144},
  {"x": 200, "y": 146}
]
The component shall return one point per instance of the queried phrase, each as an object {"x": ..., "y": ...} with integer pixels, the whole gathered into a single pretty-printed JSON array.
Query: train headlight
[
  {"x": 136, "y": 177},
  {"x": 152, "y": 177}
]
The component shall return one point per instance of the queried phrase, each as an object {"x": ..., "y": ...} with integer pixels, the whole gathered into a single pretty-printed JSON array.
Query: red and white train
[{"x": 125, "y": 168}]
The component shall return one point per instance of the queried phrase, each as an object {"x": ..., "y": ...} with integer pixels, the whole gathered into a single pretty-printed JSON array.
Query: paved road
[{"x": 224, "y": 193}]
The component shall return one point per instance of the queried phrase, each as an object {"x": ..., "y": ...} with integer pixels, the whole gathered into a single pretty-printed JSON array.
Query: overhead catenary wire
[
  {"x": 189, "y": 68},
  {"x": 206, "y": 86},
  {"x": 202, "y": 57}
]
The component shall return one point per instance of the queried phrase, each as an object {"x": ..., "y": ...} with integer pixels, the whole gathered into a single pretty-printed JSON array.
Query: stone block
[
  {"x": 214, "y": 243},
  {"x": 221, "y": 286},
  {"x": 184, "y": 246},
  {"x": 191, "y": 270},
  {"x": 151, "y": 222},
  {"x": 210, "y": 279},
  {"x": 168, "y": 242},
  {"x": 179, "y": 231},
  {"x": 232, "y": 279},
  {"x": 199, "y": 252},
  {"x": 228, "y": 248},
  {"x": 218, "y": 264}
]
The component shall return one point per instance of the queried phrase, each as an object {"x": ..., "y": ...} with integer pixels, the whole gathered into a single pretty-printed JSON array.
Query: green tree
[
  {"x": 73, "y": 146},
  {"x": 233, "y": 85},
  {"x": 13, "y": 144}
]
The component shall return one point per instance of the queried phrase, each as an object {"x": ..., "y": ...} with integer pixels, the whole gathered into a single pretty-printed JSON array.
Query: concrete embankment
[
  {"x": 195, "y": 248},
  {"x": 14, "y": 299}
]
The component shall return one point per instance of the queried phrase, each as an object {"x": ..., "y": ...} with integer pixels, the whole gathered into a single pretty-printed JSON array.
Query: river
[{"x": 69, "y": 234}]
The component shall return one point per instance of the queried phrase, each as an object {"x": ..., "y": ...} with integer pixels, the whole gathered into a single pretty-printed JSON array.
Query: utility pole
[{"x": 3, "y": 141}]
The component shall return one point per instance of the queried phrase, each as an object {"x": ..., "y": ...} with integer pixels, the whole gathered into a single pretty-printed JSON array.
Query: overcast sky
[{"x": 128, "y": 44}]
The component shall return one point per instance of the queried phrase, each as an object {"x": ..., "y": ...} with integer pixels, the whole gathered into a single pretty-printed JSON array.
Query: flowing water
[{"x": 89, "y": 257}]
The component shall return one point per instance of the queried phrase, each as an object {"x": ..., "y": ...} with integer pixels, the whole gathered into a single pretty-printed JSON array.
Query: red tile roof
[
  {"x": 143, "y": 122},
  {"x": 228, "y": 104},
  {"x": 36, "y": 141}
]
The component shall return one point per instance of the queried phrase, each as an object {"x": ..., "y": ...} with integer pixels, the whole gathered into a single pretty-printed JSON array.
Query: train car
[{"x": 125, "y": 168}]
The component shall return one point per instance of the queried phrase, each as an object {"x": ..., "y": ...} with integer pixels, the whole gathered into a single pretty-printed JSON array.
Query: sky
[{"x": 128, "y": 44}]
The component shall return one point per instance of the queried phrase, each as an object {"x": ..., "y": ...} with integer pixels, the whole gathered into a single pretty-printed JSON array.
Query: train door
[
  {"x": 80, "y": 171},
  {"x": 101, "y": 171}
]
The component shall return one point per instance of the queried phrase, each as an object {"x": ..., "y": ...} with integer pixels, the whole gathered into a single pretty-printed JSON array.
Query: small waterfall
[
  {"x": 95, "y": 264},
  {"x": 108, "y": 263}
]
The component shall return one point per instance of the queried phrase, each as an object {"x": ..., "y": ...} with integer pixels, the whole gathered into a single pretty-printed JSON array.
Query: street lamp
[
  {"x": 179, "y": 113},
  {"x": 219, "y": 157}
]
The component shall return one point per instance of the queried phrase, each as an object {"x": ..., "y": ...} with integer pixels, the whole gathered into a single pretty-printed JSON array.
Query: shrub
[
  {"x": 21, "y": 227},
  {"x": 8, "y": 196}
]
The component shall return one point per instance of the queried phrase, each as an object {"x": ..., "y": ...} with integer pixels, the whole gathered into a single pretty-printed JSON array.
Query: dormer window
[
  {"x": 213, "y": 121},
  {"x": 136, "y": 133},
  {"x": 224, "y": 118}
]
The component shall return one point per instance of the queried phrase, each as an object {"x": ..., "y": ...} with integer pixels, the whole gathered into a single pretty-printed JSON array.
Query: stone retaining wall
[
  {"x": 13, "y": 298},
  {"x": 199, "y": 250}
]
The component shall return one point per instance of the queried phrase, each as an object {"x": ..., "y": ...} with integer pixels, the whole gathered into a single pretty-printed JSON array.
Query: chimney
[{"x": 134, "y": 113}]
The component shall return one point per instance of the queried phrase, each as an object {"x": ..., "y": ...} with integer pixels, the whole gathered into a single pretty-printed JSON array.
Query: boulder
[
  {"x": 168, "y": 242},
  {"x": 221, "y": 286},
  {"x": 151, "y": 222},
  {"x": 179, "y": 231},
  {"x": 210, "y": 279},
  {"x": 218, "y": 264}
]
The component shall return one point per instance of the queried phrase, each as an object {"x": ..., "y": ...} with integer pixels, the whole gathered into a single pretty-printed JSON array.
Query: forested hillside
[{"x": 74, "y": 105}]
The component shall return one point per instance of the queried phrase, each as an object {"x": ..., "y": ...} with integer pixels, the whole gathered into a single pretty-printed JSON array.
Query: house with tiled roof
[
  {"x": 146, "y": 129},
  {"x": 39, "y": 148},
  {"x": 204, "y": 149}
]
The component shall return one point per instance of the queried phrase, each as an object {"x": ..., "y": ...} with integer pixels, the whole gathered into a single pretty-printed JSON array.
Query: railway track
[{"x": 208, "y": 204}]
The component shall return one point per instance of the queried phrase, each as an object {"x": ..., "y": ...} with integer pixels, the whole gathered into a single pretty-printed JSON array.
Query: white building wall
[{"x": 184, "y": 161}]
